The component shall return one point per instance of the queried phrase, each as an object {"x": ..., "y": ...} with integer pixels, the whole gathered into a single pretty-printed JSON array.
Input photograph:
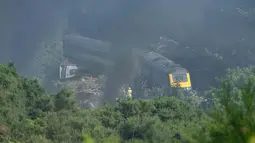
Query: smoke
[
  {"x": 125, "y": 23},
  {"x": 25, "y": 24},
  {"x": 136, "y": 24}
]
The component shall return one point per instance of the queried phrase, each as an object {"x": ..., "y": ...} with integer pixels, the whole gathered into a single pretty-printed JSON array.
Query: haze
[{"x": 203, "y": 29}]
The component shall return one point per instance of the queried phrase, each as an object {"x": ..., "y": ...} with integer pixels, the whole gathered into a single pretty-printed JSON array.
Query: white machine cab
[{"x": 67, "y": 70}]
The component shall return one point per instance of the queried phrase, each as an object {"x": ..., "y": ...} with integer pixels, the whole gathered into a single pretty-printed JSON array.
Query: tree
[{"x": 30, "y": 114}]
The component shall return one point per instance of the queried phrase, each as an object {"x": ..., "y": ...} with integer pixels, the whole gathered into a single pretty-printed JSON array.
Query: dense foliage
[{"x": 30, "y": 115}]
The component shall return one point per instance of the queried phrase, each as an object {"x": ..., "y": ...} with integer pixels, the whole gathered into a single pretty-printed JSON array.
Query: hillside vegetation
[{"x": 28, "y": 114}]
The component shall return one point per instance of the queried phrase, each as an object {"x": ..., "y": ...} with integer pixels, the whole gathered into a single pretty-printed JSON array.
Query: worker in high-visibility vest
[{"x": 129, "y": 92}]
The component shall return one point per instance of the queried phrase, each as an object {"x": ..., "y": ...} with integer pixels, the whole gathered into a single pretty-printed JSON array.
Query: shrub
[
  {"x": 30, "y": 114},
  {"x": 232, "y": 121}
]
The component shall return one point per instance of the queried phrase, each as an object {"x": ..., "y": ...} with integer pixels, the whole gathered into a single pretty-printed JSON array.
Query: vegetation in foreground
[{"x": 31, "y": 115}]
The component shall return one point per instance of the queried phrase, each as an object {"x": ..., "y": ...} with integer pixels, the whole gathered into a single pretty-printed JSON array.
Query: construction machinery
[{"x": 94, "y": 57}]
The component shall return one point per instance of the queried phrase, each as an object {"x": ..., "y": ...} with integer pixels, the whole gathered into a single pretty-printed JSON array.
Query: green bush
[
  {"x": 233, "y": 109},
  {"x": 33, "y": 115},
  {"x": 29, "y": 115},
  {"x": 232, "y": 122}
]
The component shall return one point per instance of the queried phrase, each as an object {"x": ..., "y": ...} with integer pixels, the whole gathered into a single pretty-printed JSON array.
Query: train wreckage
[{"x": 94, "y": 57}]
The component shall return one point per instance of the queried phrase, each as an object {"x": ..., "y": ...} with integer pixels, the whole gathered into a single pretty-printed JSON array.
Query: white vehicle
[{"x": 67, "y": 70}]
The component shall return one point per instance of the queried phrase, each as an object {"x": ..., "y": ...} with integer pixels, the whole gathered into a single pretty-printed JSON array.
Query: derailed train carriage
[
  {"x": 160, "y": 71},
  {"x": 95, "y": 57},
  {"x": 89, "y": 55}
]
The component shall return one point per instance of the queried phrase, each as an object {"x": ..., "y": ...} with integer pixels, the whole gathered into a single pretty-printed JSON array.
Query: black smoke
[{"x": 223, "y": 27}]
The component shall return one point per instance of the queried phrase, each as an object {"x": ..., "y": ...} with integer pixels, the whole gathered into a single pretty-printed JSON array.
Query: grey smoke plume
[
  {"x": 127, "y": 24},
  {"x": 141, "y": 25},
  {"x": 24, "y": 25}
]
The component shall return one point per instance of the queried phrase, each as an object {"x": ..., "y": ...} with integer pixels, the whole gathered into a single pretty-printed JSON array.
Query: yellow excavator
[{"x": 90, "y": 56}]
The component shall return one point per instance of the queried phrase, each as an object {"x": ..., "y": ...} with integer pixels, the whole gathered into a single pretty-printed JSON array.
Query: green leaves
[
  {"x": 65, "y": 99},
  {"x": 32, "y": 115},
  {"x": 233, "y": 118}
]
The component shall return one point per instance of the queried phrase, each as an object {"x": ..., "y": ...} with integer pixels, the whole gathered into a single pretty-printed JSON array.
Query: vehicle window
[
  {"x": 72, "y": 71},
  {"x": 180, "y": 78}
]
